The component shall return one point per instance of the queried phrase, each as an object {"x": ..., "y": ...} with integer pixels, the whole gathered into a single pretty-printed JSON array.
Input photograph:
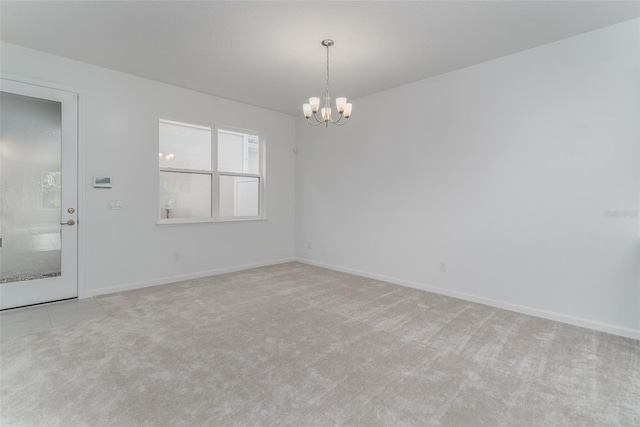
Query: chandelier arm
[
  {"x": 337, "y": 122},
  {"x": 317, "y": 120}
]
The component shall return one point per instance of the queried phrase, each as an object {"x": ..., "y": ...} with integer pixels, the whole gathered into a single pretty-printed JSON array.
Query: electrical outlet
[
  {"x": 115, "y": 205},
  {"x": 443, "y": 267},
  {"x": 176, "y": 257}
]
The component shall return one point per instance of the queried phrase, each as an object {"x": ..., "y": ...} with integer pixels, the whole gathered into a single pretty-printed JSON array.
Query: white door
[{"x": 38, "y": 203}]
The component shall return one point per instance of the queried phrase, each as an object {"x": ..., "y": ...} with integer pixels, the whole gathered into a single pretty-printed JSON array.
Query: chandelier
[{"x": 311, "y": 109}]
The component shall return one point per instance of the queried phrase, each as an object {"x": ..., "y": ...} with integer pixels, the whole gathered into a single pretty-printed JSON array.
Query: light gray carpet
[{"x": 302, "y": 346}]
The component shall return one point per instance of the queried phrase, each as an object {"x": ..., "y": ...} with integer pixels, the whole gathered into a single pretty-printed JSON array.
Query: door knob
[{"x": 70, "y": 222}]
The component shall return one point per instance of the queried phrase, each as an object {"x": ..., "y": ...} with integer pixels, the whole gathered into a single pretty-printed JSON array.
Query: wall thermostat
[{"x": 101, "y": 182}]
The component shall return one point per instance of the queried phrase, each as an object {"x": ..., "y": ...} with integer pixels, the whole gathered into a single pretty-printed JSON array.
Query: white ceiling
[{"x": 269, "y": 53}]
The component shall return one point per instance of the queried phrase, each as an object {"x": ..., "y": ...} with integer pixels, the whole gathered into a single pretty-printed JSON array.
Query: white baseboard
[
  {"x": 545, "y": 314},
  {"x": 163, "y": 281}
]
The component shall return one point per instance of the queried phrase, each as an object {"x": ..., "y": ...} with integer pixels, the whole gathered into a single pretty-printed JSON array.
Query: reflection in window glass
[
  {"x": 238, "y": 152},
  {"x": 239, "y": 196},
  {"x": 185, "y": 195},
  {"x": 184, "y": 146}
]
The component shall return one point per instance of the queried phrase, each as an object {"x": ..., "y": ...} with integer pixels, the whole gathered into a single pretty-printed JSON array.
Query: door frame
[{"x": 80, "y": 163}]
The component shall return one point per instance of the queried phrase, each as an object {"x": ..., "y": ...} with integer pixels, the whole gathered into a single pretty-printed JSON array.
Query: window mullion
[
  {"x": 244, "y": 175},
  {"x": 195, "y": 171},
  {"x": 245, "y": 153},
  {"x": 261, "y": 171},
  {"x": 215, "y": 176}
]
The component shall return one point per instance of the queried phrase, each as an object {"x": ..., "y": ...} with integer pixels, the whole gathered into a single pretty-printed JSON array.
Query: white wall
[
  {"x": 119, "y": 137},
  {"x": 503, "y": 171}
]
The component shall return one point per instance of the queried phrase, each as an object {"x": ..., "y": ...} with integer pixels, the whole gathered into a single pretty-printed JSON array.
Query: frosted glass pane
[
  {"x": 30, "y": 184},
  {"x": 184, "y": 146},
  {"x": 185, "y": 195},
  {"x": 239, "y": 196},
  {"x": 238, "y": 152}
]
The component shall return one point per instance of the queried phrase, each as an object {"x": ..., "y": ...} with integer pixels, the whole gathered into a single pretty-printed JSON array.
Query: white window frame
[{"x": 215, "y": 175}]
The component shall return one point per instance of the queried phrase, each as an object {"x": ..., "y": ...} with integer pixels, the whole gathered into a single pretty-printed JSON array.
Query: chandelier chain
[{"x": 327, "y": 66}]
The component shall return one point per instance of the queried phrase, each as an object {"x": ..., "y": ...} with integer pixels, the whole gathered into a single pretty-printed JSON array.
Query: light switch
[{"x": 115, "y": 204}]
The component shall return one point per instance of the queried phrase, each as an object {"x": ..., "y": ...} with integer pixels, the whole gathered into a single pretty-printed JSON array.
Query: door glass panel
[{"x": 30, "y": 188}]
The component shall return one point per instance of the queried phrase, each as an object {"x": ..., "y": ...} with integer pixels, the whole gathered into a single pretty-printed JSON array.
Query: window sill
[{"x": 190, "y": 221}]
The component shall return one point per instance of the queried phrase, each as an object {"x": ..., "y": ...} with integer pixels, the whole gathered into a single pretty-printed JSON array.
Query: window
[{"x": 209, "y": 174}]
